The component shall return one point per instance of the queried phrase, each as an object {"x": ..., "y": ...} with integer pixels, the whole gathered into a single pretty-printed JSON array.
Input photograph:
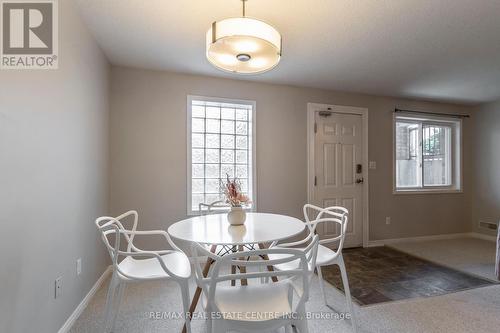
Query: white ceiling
[{"x": 447, "y": 50}]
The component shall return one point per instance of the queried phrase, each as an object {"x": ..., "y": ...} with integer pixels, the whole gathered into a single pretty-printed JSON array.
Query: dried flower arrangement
[{"x": 232, "y": 191}]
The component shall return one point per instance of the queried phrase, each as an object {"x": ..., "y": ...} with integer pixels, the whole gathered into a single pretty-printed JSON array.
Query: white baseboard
[
  {"x": 83, "y": 304},
  {"x": 383, "y": 242},
  {"x": 483, "y": 236}
]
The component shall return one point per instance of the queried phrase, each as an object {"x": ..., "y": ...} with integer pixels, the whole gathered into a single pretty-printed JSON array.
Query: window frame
[
  {"x": 456, "y": 153},
  {"x": 252, "y": 134}
]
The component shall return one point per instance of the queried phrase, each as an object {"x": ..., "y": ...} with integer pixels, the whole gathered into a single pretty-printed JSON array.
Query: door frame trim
[{"x": 363, "y": 112}]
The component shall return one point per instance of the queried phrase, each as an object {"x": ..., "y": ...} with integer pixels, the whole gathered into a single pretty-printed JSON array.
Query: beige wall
[
  {"x": 148, "y": 151},
  {"x": 486, "y": 202},
  {"x": 54, "y": 181}
]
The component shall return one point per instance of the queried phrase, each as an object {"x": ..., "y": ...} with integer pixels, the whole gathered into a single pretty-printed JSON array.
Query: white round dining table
[{"x": 214, "y": 229}]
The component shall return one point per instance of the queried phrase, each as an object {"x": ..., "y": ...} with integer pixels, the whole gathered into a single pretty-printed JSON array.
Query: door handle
[{"x": 360, "y": 181}]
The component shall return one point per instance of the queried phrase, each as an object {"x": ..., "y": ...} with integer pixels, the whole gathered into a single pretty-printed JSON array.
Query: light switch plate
[{"x": 372, "y": 165}]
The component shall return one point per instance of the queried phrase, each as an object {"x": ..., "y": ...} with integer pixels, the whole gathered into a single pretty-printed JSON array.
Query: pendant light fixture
[{"x": 243, "y": 45}]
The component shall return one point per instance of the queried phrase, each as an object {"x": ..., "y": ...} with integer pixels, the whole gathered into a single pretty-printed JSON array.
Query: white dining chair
[
  {"x": 210, "y": 208},
  {"x": 136, "y": 265},
  {"x": 255, "y": 307},
  {"x": 311, "y": 252},
  {"x": 326, "y": 256}
]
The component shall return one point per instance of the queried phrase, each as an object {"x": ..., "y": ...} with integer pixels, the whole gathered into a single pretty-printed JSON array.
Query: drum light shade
[{"x": 243, "y": 45}]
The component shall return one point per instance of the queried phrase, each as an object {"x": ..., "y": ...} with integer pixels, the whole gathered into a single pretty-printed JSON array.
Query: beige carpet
[
  {"x": 471, "y": 255},
  {"x": 469, "y": 311}
]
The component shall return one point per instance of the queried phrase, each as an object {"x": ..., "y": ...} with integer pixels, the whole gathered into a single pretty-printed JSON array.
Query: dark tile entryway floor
[{"x": 382, "y": 274}]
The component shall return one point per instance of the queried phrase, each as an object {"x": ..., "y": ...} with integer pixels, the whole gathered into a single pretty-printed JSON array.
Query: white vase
[{"x": 236, "y": 216}]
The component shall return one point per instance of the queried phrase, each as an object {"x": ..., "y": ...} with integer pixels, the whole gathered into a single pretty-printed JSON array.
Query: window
[
  {"x": 427, "y": 153},
  {"x": 220, "y": 144}
]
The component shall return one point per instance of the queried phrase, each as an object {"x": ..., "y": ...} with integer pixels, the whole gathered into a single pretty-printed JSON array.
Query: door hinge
[
  {"x": 315, "y": 128},
  {"x": 315, "y": 180}
]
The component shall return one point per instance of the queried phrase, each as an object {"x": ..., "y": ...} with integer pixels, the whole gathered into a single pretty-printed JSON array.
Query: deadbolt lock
[{"x": 359, "y": 168}]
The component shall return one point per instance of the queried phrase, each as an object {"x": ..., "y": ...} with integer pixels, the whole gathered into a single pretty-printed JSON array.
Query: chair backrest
[
  {"x": 311, "y": 252},
  {"x": 207, "y": 209},
  {"x": 114, "y": 235},
  {"x": 113, "y": 227},
  {"x": 257, "y": 269},
  {"x": 334, "y": 215}
]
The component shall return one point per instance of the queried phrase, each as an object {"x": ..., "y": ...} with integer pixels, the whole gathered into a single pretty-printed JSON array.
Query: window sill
[{"x": 427, "y": 191}]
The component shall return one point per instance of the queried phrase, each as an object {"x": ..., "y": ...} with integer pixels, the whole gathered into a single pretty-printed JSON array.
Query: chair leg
[
  {"x": 121, "y": 290},
  {"x": 185, "y": 305},
  {"x": 301, "y": 323},
  {"x": 209, "y": 322},
  {"x": 347, "y": 291},
  {"x": 109, "y": 302},
  {"x": 321, "y": 284}
]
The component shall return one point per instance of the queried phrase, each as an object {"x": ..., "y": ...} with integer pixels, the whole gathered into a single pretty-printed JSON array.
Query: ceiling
[{"x": 445, "y": 50}]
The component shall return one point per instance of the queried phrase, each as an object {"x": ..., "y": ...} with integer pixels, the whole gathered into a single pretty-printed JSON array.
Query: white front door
[{"x": 338, "y": 169}]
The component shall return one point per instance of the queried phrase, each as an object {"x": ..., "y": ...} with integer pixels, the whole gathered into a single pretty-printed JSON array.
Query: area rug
[{"x": 382, "y": 274}]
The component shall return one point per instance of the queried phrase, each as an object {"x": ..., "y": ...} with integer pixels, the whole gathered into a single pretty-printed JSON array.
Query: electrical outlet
[
  {"x": 58, "y": 287},
  {"x": 78, "y": 266},
  {"x": 372, "y": 165},
  {"x": 388, "y": 220}
]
